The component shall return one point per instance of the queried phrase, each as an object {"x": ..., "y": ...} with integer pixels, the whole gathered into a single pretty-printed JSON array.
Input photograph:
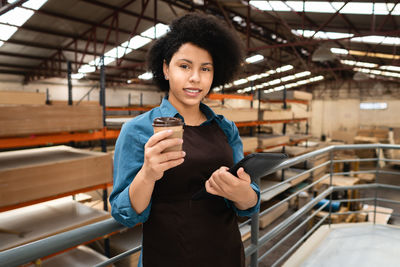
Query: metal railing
[{"x": 293, "y": 223}]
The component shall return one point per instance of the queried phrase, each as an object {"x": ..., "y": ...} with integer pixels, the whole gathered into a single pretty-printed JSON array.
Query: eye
[
  {"x": 184, "y": 66},
  {"x": 206, "y": 69}
]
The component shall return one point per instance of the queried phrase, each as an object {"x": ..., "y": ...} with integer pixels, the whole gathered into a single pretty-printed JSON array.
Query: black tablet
[{"x": 257, "y": 165}]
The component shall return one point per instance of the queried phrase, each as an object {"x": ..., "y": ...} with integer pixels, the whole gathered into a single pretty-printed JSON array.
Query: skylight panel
[
  {"x": 160, "y": 30},
  {"x": 320, "y": 7},
  {"x": 17, "y": 16},
  {"x": 87, "y": 69},
  {"x": 362, "y": 8},
  {"x": 137, "y": 42},
  {"x": 7, "y": 31},
  {"x": 34, "y": 4}
]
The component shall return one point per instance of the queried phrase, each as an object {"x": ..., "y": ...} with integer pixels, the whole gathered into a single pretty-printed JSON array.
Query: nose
[{"x": 195, "y": 76}]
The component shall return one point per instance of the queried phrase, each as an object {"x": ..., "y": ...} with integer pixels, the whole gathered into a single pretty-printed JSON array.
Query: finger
[
  {"x": 243, "y": 175},
  {"x": 215, "y": 186},
  {"x": 224, "y": 178},
  {"x": 168, "y": 156},
  {"x": 166, "y": 143},
  {"x": 170, "y": 164},
  {"x": 210, "y": 189},
  {"x": 157, "y": 137}
]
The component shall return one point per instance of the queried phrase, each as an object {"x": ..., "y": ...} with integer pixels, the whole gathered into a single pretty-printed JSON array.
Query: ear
[{"x": 165, "y": 70}]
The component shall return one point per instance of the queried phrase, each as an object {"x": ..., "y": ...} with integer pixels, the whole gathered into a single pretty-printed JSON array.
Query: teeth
[{"x": 192, "y": 91}]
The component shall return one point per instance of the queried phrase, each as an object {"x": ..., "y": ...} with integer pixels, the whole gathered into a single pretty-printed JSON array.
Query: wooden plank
[
  {"x": 40, "y": 119},
  {"x": 271, "y": 115},
  {"x": 268, "y": 140},
  {"x": 237, "y": 115},
  {"x": 22, "y": 98},
  {"x": 45, "y": 219},
  {"x": 250, "y": 143},
  {"x": 266, "y": 183},
  {"x": 32, "y": 174},
  {"x": 82, "y": 103},
  {"x": 271, "y": 216},
  {"x": 380, "y": 217}
]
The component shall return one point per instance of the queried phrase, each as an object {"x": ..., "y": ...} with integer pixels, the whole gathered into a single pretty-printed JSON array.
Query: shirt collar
[{"x": 168, "y": 110}]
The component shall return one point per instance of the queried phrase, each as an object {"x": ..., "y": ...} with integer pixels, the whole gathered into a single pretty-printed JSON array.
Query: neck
[{"x": 192, "y": 114}]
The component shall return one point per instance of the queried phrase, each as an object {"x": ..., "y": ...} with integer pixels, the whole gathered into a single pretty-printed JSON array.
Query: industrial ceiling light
[
  {"x": 322, "y": 54},
  {"x": 254, "y": 59}
]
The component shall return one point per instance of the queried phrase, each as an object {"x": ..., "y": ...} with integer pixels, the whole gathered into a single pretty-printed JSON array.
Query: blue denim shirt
[{"x": 129, "y": 158}]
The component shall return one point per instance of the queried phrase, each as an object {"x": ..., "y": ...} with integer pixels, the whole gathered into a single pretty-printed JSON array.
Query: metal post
[
  {"x": 254, "y": 236},
  {"x": 330, "y": 186},
  {"x": 378, "y": 151},
  {"x": 103, "y": 141},
  {"x": 69, "y": 83},
  {"x": 47, "y": 97}
]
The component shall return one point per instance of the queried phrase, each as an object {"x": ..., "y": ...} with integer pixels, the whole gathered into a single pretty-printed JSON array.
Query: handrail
[{"x": 53, "y": 244}]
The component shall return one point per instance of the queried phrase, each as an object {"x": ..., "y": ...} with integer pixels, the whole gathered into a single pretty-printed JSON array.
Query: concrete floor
[
  {"x": 357, "y": 245},
  {"x": 273, "y": 256}
]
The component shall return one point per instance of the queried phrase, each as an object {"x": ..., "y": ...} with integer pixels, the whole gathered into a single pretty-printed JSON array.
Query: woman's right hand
[{"x": 156, "y": 162}]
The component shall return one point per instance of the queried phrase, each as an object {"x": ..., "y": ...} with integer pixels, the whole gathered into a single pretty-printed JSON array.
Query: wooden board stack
[
  {"x": 34, "y": 174},
  {"x": 22, "y": 98},
  {"x": 39, "y": 119}
]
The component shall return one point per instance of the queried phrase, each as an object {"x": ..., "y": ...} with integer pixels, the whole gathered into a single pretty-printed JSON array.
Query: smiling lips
[{"x": 192, "y": 91}]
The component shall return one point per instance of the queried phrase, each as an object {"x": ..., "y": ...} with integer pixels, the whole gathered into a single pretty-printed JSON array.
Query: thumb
[{"x": 243, "y": 175}]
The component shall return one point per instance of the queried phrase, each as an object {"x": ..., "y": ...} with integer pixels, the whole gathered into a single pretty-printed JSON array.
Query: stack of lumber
[
  {"x": 269, "y": 140},
  {"x": 380, "y": 134},
  {"x": 250, "y": 143},
  {"x": 22, "y": 98},
  {"x": 274, "y": 214},
  {"x": 237, "y": 115},
  {"x": 31, "y": 223},
  {"x": 300, "y": 111},
  {"x": 291, "y": 172},
  {"x": 39, "y": 119},
  {"x": 35, "y": 174},
  {"x": 276, "y": 115}
]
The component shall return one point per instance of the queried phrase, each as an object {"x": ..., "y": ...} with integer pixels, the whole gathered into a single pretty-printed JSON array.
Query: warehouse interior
[{"x": 320, "y": 82}]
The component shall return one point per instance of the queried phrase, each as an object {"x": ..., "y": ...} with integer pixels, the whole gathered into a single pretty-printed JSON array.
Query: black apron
[{"x": 182, "y": 232}]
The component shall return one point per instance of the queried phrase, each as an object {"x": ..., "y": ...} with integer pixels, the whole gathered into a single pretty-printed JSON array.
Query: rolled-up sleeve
[{"x": 128, "y": 160}]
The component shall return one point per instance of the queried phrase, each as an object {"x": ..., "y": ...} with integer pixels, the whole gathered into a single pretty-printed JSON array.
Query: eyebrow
[{"x": 189, "y": 61}]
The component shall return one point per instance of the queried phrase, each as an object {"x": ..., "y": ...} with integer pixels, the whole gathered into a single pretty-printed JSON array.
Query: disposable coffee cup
[{"x": 169, "y": 123}]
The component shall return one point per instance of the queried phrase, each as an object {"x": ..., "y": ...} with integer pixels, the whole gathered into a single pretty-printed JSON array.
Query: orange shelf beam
[
  {"x": 256, "y": 123},
  {"x": 51, "y": 139},
  {"x": 229, "y": 96},
  {"x": 305, "y": 102},
  {"x": 36, "y": 201},
  {"x": 131, "y": 108}
]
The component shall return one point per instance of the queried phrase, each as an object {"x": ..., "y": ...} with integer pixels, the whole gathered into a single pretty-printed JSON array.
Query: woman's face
[{"x": 190, "y": 74}]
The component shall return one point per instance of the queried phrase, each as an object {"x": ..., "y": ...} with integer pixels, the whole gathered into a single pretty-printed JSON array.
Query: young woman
[{"x": 156, "y": 188}]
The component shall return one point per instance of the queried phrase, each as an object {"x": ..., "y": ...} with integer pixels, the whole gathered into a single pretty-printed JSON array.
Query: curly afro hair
[{"x": 204, "y": 31}]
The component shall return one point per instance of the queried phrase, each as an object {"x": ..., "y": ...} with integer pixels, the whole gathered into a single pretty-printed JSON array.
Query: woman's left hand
[{"x": 237, "y": 189}]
